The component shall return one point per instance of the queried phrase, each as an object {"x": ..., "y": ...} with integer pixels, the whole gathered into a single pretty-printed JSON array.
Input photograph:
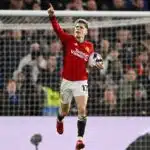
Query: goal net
[{"x": 31, "y": 62}]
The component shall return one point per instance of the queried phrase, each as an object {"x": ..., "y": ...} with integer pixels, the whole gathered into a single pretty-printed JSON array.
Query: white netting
[{"x": 121, "y": 88}]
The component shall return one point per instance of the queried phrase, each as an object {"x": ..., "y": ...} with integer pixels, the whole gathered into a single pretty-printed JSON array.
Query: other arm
[{"x": 59, "y": 31}]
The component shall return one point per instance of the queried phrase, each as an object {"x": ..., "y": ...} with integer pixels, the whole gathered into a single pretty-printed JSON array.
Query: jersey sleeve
[{"x": 63, "y": 36}]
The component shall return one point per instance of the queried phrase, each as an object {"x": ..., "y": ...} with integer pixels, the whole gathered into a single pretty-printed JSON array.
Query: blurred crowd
[
  {"x": 31, "y": 63},
  {"x": 91, "y": 5}
]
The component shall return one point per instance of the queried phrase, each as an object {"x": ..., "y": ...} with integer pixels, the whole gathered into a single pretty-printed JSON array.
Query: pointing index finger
[{"x": 50, "y": 5}]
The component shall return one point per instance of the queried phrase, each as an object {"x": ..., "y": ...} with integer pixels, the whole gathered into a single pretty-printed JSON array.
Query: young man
[{"x": 74, "y": 75}]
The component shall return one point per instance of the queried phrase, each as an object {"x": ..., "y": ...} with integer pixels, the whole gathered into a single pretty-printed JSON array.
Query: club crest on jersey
[{"x": 87, "y": 49}]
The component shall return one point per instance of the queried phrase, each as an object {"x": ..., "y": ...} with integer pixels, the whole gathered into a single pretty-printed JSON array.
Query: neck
[{"x": 80, "y": 39}]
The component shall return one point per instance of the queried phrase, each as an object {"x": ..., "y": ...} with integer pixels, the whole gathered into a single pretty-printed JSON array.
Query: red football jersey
[{"x": 75, "y": 54}]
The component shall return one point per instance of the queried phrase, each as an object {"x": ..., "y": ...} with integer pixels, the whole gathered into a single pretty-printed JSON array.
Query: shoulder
[
  {"x": 89, "y": 45},
  {"x": 70, "y": 37}
]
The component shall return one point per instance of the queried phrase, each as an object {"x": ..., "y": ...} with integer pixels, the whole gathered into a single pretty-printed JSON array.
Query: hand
[
  {"x": 99, "y": 65},
  {"x": 50, "y": 10}
]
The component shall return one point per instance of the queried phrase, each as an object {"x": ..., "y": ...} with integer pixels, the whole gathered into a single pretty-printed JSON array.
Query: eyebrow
[{"x": 80, "y": 26}]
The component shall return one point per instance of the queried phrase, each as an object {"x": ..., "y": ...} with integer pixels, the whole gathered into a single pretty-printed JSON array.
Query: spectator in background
[
  {"x": 11, "y": 50},
  {"x": 91, "y": 5},
  {"x": 123, "y": 36},
  {"x": 143, "y": 69},
  {"x": 139, "y": 5},
  {"x": 140, "y": 104},
  {"x": 23, "y": 100},
  {"x": 11, "y": 89},
  {"x": 109, "y": 102},
  {"x": 114, "y": 68},
  {"x": 50, "y": 76},
  {"x": 127, "y": 48},
  {"x": 31, "y": 97},
  {"x": 104, "y": 51},
  {"x": 141, "y": 60},
  {"x": 127, "y": 88},
  {"x": 55, "y": 48},
  {"x": 118, "y": 5},
  {"x": 34, "y": 59},
  {"x": 16, "y": 4},
  {"x": 9, "y": 103},
  {"x": 75, "y": 5},
  {"x": 49, "y": 80},
  {"x": 28, "y": 4},
  {"x": 94, "y": 37},
  {"x": 36, "y": 6}
]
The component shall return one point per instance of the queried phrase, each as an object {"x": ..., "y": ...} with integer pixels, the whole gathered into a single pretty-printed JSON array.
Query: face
[
  {"x": 91, "y": 4},
  {"x": 140, "y": 3},
  {"x": 138, "y": 94},
  {"x": 105, "y": 45},
  {"x": 17, "y": 4},
  {"x": 77, "y": 5},
  {"x": 118, "y": 3},
  {"x": 52, "y": 62},
  {"x": 36, "y": 6},
  {"x": 11, "y": 88},
  {"x": 143, "y": 57},
  {"x": 16, "y": 34},
  {"x": 55, "y": 47},
  {"x": 109, "y": 95},
  {"x": 131, "y": 75},
  {"x": 80, "y": 31},
  {"x": 123, "y": 35},
  {"x": 35, "y": 47},
  {"x": 114, "y": 54}
]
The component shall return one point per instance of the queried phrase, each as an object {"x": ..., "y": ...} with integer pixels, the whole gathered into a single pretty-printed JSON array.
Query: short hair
[{"x": 85, "y": 22}]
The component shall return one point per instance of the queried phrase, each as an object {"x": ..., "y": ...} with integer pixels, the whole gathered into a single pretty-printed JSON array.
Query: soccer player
[{"x": 74, "y": 75}]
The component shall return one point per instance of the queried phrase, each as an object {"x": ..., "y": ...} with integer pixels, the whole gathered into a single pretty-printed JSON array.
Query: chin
[{"x": 77, "y": 36}]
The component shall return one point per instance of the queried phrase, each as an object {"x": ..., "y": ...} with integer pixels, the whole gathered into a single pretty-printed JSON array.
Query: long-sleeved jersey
[{"x": 75, "y": 54}]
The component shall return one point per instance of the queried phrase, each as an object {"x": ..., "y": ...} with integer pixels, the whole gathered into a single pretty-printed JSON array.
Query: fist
[{"x": 50, "y": 10}]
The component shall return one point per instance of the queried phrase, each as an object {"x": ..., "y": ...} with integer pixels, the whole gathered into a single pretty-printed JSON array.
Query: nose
[{"x": 77, "y": 28}]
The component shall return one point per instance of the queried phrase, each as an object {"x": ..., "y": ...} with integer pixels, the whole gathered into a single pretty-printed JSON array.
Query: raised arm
[{"x": 59, "y": 31}]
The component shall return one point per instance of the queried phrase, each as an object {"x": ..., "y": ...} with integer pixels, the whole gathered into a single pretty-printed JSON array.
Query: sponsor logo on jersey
[{"x": 80, "y": 54}]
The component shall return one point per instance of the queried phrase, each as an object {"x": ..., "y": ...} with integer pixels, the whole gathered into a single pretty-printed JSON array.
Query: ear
[{"x": 86, "y": 32}]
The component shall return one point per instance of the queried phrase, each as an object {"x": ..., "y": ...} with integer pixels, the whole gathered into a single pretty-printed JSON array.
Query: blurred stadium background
[{"x": 31, "y": 59}]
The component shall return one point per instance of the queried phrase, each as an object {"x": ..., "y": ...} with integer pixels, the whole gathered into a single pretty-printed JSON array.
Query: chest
[
  {"x": 83, "y": 47},
  {"x": 78, "y": 50}
]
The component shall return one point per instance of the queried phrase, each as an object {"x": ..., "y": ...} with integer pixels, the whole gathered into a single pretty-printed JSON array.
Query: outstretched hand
[{"x": 50, "y": 10}]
